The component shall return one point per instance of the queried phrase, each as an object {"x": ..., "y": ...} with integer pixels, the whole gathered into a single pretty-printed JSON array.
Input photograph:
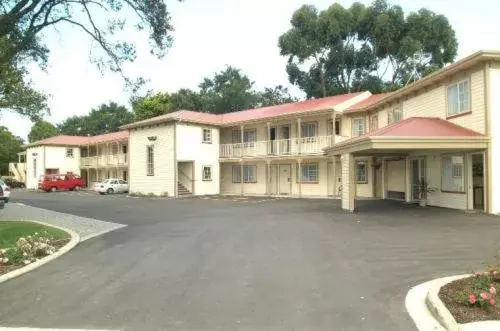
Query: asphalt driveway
[{"x": 256, "y": 264}]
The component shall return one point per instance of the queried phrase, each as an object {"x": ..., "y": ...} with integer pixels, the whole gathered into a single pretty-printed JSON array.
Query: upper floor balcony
[
  {"x": 103, "y": 161},
  {"x": 309, "y": 146}
]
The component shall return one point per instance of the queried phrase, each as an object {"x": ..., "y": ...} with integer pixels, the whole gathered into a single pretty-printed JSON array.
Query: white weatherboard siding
[
  {"x": 396, "y": 176},
  {"x": 190, "y": 147},
  {"x": 163, "y": 180},
  {"x": 49, "y": 157},
  {"x": 494, "y": 111}
]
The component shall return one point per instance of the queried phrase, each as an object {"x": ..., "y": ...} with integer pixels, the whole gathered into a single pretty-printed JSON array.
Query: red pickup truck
[{"x": 54, "y": 183}]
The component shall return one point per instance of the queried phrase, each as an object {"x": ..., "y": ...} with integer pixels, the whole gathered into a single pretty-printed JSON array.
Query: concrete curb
[
  {"x": 75, "y": 239},
  {"x": 437, "y": 307},
  {"x": 429, "y": 313}
]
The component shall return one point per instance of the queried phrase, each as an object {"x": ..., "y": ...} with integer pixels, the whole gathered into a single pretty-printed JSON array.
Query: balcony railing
[
  {"x": 283, "y": 147},
  {"x": 100, "y": 161}
]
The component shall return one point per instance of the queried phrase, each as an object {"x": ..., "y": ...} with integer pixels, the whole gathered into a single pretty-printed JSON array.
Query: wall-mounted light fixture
[
  {"x": 34, "y": 154},
  {"x": 152, "y": 138}
]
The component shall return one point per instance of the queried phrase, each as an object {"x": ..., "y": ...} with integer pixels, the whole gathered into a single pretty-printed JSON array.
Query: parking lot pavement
[{"x": 85, "y": 227}]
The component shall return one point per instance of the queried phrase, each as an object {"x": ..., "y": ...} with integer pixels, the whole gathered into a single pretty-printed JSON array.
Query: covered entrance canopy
[{"x": 412, "y": 136}]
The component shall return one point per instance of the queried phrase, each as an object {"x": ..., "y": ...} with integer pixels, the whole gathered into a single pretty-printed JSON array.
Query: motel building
[{"x": 443, "y": 130}]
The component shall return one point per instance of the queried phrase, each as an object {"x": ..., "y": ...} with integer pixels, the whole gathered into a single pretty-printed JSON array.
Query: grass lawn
[{"x": 10, "y": 231}]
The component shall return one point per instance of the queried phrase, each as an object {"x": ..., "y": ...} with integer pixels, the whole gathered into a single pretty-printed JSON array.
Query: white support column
[
  {"x": 299, "y": 176},
  {"x": 383, "y": 180},
  {"x": 334, "y": 164},
  {"x": 408, "y": 187},
  {"x": 268, "y": 177},
  {"x": 332, "y": 142},
  {"x": 299, "y": 134},
  {"x": 348, "y": 185},
  {"x": 242, "y": 137},
  {"x": 269, "y": 148}
]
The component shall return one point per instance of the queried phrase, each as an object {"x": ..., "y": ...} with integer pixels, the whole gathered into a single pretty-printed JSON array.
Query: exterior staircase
[{"x": 182, "y": 190}]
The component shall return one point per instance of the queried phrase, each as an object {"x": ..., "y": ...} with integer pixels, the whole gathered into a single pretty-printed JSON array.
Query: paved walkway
[{"x": 86, "y": 227}]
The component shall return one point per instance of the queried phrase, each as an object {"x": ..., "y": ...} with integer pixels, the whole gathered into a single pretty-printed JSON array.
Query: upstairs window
[
  {"x": 69, "y": 152},
  {"x": 330, "y": 127},
  {"x": 248, "y": 136},
  {"x": 207, "y": 136},
  {"x": 358, "y": 127},
  {"x": 395, "y": 114},
  {"x": 373, "y": 122},
  {"x": 458, "y": 98},
  {"x": 308, "y": 130}
]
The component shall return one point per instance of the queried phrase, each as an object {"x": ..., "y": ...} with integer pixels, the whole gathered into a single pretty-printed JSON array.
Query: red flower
[
  {"x": 472, "y": 299},
  {"x": 493, "y": 290},
  {"x": 492, "y": 301},
  {"x": 484, "y": 296}
]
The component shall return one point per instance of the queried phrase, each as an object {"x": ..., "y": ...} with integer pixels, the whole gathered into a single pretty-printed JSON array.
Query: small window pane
[
  {"x": 308, "y": 130},
  {"x": 308, "y": 173},
  {"x": 150, "y": 160},
  {"x": 452, "y": 173},
  {"x": 358, "y": 127},
  {"x": 207, "y": 136},
  {"x": 361, "y": 172},
  {"x": 207, "y": 173},
  {"x": 69, "y": 152},
  {"x": 458, "y": 98}
]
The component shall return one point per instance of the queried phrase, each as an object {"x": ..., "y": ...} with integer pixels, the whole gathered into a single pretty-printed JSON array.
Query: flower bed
[
  {"x": 473, "y": 299},
  {"x": 24, "y": 243}
]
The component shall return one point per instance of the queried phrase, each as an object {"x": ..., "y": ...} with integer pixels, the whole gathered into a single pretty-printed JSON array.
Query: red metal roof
[
  {"x": 417, "y": 127},
  {"x": 289, "y": 108},
  {"x": 366, "y": 102},
  {"x": 249, "y": 114},
  {"x": 424, "y": 127},
  {"x": 64, "y": 140}
]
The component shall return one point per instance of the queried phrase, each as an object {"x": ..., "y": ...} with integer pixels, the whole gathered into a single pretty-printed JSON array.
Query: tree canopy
[
  {"x": 42, "y": 130},
  {"x": 374, "y": 47},
  {"x": 10, "y": 146},
  {"x": 227, "y": 91},
  {"x": 23, "y": 24},
  {"x": 104, "y": 119}
]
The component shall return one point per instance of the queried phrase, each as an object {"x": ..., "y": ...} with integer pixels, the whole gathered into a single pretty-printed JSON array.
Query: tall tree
[
  {"x": 23, "y": 24},
  {"x": 342, "y": 50},
  {"x": 185, "y": 99},
  {"x": 229, "y": 90},
  {"x": 10, "y": 146},
  {"x": 103, "y": 119},
  {"x": 151, "y": 106},
  {"x": 42, "y": 130},
  {"x": 277, "y": 95}
]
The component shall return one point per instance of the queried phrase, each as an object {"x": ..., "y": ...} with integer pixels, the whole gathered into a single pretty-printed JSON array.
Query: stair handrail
[{"x": 186, "y": 177}]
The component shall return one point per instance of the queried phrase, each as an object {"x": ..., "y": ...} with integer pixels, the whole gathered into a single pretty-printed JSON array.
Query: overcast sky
[{"x": 210, "y": 35}]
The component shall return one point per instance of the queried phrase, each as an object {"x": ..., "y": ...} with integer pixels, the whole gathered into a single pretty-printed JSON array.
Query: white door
[
  {"x": 285, "y": 178},
  {"x": 273, "y": 179}
]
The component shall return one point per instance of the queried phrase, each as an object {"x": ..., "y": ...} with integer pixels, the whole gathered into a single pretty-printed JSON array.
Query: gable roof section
[
  {"x": 64, "y": 140},
  {"x": 360, "y": 106},
  {"x": 249, "y": 114},
  {"x": 287, "y": 109}
]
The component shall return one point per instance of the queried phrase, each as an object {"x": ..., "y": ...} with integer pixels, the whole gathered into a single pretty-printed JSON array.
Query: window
[
  {"x": 361, "y": 172},
  {"x": 373, "y": 122},
  {"x": 452, "y": 174},
  {"x": 458, "y": 98},
  {"x": 358, "y": 127},
  {"x": 249, "y": 174},
  {"x": 114, "y": 149},
  {"x": 69, "y": 152},
  {"x": 122, "y": 181},
  {"x": 308, "y": 173},
  {"x": 395, "y": 114},
  {"x": 207, "y": 136},
  {"x": 114, "y": 182},
  {"x": 207, "y": 173},
  {"x": 124, "y": 149},
  {"x": 34, "y": 168},
  {"x": 308, "y": 130},
  {"x": 248, "y": 136},
  {"x": 150, "y": 160},
  {"x": 330, "y": 127}
]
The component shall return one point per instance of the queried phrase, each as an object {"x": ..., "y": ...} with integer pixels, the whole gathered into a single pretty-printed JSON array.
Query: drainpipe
[{"x": 175, "y": 158}]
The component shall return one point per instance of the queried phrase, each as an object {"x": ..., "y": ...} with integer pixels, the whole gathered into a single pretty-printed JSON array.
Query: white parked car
[
  {"x": 111, "y": 185},
  {"x": 6, "y": 191}
]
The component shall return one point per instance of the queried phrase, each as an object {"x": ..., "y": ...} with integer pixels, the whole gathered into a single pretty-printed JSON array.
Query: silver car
[{"x": 111, "y": 185}]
